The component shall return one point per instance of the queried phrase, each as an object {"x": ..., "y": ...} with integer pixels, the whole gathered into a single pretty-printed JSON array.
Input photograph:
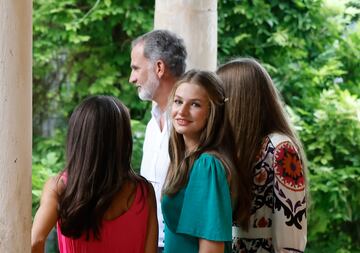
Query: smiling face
[
  {"x": 143, "y": 74},
  {"x": 189, "y": 112}
]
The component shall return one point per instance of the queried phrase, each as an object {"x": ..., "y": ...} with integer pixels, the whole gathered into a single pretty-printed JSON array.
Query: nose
[
  {"x": 183, "y": 110},
  {"x": 132, "y": 78}
]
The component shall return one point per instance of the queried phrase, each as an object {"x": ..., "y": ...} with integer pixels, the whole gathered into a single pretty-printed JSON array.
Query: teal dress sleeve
[{"x": 207, "y": 211}]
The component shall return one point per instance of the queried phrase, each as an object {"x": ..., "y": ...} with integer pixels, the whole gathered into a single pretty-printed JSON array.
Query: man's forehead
[
  {"x": 138, "y": 60},
  {"x": 138, "y": 49}
]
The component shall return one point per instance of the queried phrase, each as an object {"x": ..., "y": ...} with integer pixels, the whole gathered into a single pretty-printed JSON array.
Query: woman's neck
[{"x": 190, "y": 144}]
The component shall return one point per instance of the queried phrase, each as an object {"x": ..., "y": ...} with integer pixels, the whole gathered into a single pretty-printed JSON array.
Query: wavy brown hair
[
  {"x": 98, "y": 161},
  {"x": 216, "y": 138},
  {"x": 255, "y": 110}
]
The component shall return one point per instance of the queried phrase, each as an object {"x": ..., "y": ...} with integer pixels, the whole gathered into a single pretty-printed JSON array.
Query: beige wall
[
  {"x": 15, "y": 125},
  {"x": 196, "y": 23}
]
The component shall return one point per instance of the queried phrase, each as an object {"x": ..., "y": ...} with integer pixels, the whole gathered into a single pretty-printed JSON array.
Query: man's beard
[{"x": 148, "y": 90}]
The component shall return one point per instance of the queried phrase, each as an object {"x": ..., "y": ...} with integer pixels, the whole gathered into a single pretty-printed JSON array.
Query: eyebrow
[{"x": 191, "y": 99}]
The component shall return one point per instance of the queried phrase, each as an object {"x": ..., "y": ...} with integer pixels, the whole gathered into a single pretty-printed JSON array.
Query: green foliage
[
  {"x": 333, "y": 146},
  {"x": 348, "y": 52},
  {"x": 334, "y": 134},
  {"x": 138, "y": 131},
  {"x": 310, "y": 47},
  {"x": 47, "y": 159},
  {"x": 334, "y": 215},
  {"x": 81, "y": 48}
]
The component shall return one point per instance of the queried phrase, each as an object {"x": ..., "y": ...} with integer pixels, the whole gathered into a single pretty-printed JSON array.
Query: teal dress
[{"x": 202, "y": 209}]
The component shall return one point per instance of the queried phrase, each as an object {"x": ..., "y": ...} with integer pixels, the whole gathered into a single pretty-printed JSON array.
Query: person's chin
[
  {"x": 180, "y": 129},
  {"x": 144, "y": 97}
]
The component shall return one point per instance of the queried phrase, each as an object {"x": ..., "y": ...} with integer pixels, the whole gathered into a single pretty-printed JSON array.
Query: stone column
[
  {"x": 15, "y": 125},
  {"x": 196, "y": 22}
]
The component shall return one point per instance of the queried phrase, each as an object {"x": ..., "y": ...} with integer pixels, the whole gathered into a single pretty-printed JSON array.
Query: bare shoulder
[{"x": 54, "y": 185}]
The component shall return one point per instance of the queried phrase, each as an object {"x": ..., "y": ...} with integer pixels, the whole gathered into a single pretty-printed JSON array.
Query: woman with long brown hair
[
  {"x": 198, "y": 190},
  {"x": 98, "y": 202},
  {"x": 271, "y": 164}
]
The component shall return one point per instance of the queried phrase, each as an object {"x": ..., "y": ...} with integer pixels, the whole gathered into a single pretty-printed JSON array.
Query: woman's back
[
  {"x": 124, "y": 228},
  {"x": 98, "y": 203}
]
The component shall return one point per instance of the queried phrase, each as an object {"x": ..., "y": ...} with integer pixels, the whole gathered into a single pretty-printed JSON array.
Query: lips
[{"x": 182, "y": 122}]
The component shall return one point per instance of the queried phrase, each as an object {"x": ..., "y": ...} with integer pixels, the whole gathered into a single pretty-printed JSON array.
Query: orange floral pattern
[
  {"x": 279, "y": 202},
  {"x": 288, "y": 167}
]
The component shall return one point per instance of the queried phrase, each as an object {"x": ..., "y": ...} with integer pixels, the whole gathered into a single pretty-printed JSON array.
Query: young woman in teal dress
[{"x": 198, "y": 191}]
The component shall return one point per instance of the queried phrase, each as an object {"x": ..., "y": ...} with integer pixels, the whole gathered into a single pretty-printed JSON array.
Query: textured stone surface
[
  {"x": 196, "y": 23},
  {"x": 15, "y": 125}
]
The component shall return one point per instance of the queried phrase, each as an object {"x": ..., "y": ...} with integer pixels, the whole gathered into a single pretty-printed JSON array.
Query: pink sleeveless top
[{"x": 124, "y": 234}]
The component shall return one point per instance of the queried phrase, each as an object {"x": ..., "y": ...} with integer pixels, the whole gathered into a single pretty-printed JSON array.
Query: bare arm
[
  {"x": 151, "y": 242},
  {"x": 206, "y": 246},
  {"x": 45, "y": 217}
]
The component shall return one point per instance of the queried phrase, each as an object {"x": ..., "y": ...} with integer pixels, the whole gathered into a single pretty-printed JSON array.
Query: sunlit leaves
[{"x": 311, "y": 49}]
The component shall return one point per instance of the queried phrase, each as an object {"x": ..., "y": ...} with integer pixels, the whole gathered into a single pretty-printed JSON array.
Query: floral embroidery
[
  {"x": 288, "y": 168},
  {"x": 253, "y": 245},
  {"x": 279, "y": 189},
  {"x": 294, "y": 215},
  {"x": 263, "y": 181},
  {"x": 263, "y": 223},
  {"x": 288, "y": 172},
  {"x": 260, "y": 178}
]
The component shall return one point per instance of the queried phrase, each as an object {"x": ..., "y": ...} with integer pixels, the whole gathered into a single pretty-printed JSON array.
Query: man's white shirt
[{"x": 155, "y": 160}]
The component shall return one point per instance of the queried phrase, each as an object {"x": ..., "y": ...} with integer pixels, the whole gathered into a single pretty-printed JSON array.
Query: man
[{"x": 157, "y": 61}]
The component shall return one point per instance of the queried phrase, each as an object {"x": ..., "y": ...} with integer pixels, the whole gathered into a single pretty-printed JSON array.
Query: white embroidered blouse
[{"x": 278, "y": 215}]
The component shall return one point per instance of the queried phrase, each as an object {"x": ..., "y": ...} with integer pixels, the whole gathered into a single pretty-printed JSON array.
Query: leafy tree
[
  {"x": 310, "y": 47},
  {"x": 81, "y": 48}
]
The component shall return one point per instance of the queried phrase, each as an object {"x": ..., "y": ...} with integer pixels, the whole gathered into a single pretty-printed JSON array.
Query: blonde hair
[{"x": 213, "y": 139}]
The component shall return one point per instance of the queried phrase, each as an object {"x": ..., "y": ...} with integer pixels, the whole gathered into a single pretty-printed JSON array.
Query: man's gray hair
[{"x": 166, "y": 46}]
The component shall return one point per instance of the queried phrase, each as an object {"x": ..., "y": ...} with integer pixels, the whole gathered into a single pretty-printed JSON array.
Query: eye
[
  {"x": 195, "y": 104},
  {"x": 177, "y": 101}
]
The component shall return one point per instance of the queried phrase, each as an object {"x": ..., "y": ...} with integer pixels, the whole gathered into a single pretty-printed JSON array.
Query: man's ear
[{"x": 160, "y": 68}]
